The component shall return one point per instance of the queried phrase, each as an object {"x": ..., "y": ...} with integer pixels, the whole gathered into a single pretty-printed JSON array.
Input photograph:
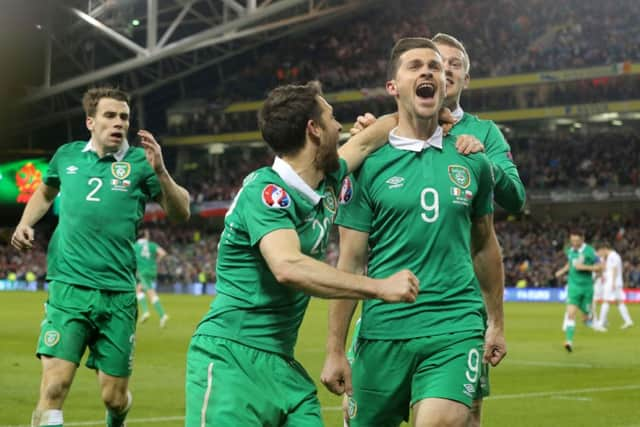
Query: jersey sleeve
[
  {"x": 151, "y": 185},
  {"x": 509, "y": 189},
  {"x": 590, "y": 257},
  {"x": 355, "y": 209},
  {"x": 338, "y": 176},
  {"x": 52, "y": 177},
  {"x": 483, "y": 201},
  {"x": 265, "y": 208}
]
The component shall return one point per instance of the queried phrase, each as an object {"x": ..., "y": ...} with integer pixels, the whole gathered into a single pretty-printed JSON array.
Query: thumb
[{"x": 348, "y": 387}]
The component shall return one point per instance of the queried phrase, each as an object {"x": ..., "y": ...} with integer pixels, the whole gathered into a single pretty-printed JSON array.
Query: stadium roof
[{"x": 141, "y": 45}]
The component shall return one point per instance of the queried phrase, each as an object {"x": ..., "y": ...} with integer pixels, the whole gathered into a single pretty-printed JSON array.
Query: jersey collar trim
[
  {"x": 457, "y": 113},
  {"x": 118, "y": 155},
  {"x": 417, "y": 145},
  {"x": 292, "y": 179}
]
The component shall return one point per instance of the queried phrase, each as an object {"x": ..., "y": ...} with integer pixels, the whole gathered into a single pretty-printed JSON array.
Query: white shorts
[
  {"x": 614, "y": 294},
  {"x": 598, "y": 290}
]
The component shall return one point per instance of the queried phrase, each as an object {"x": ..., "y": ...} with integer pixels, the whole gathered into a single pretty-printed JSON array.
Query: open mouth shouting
[
  {"x": 426, "y": 90},
  {"x": 117, "y": 136}
]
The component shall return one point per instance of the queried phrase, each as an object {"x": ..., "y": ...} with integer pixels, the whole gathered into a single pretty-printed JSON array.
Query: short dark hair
[
  {"x": 284, "y": 115},
  {"x": 93, "y": 96},
  {"x": 402, "y": 46},
  {"x": 449, "y": 40},
  {"x": 576, "y": 232}
]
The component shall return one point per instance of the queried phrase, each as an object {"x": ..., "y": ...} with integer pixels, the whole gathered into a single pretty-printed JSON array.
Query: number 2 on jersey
[{"x": 98, "y": 184}]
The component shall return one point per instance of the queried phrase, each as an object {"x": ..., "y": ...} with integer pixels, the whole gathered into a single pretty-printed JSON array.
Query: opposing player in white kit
[{"x": 612, "y": 287}]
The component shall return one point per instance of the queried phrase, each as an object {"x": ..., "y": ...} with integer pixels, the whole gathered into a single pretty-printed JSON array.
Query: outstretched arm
[
  {"x": 336, "y": 373},
  {"x": 37, "y": 206},
  {"x": 487, "y": 263},
  {"x": 281, "y": 251}
]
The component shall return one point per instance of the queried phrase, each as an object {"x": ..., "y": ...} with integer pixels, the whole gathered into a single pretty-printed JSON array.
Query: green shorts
[
  {"x": 230, "y": 384},
  {"x": 391, "y": 376},
  {"x": 147, "y": 281},
  {"x": 580, "y": 296},
  {"x": 77, "y": 317}
]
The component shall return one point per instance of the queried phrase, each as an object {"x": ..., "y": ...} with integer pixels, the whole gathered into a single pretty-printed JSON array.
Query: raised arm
[
  {"x": 365, "y": 142},
  {"x": 487, "y": 263},
  {"x": 562, "y": 271},
  {"x": 173, "y": 198},
  {"x": 336, "y": 373},
  {"x": 281, "y": 251},
  {"x": 37, "y": 206},
  {"x": 508, "y": 190}
]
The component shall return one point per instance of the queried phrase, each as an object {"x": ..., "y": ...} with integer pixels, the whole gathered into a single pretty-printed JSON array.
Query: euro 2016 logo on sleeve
[
  {"x": 275, "y": 197},
  {"x": 346, "y": 192},
  {"x": 51, "y": 338},
  {"x": 459, "y": 175}
]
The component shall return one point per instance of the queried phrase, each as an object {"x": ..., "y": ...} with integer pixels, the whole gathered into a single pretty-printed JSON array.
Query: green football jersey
[
  {"x": 585, "y": 255},
  {"x": 102, "y": 202},
  {"x": 508, "y": 190},
  {"x": 146, "y": 257},
  {"x": 251, "y": 307},
  {"x": 417, "y": 207}
]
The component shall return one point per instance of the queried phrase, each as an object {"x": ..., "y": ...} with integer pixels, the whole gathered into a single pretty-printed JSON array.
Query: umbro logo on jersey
[
  {"x": 395, "y": 182},
  {"x": 71, "y": 170}
]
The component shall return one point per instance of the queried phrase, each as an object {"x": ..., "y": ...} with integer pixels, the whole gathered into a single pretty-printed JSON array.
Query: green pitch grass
[{"x": 539, "y": 384}]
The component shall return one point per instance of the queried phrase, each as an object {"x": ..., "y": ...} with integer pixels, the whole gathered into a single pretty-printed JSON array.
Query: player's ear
[
  {"x": 391, "y": 87},
  {"x": 313, "y": 129},
  {"x": 90, "y": 122}
]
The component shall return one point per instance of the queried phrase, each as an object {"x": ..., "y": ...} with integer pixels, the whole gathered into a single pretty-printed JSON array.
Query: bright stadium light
[
  {"x": 577, "y": 125},
  {"x": 135, "y": 22},
  {"x": 616, "y": 122}
]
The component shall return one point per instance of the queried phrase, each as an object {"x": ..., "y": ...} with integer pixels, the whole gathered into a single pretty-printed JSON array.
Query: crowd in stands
[
  {"x": 205, "y": 119},
  {"x": 546, "y": 161},
  {"x": 572, "y": 160},
  {"x": 503, "y": 37},
  {"x": 532, "y": 248}
]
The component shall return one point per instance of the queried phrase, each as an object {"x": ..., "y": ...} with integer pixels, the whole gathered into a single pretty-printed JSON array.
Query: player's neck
[
  {"x": 101, "y": 150},
  {"x": 305, "y": 167},
  {"x": 452, "y": 103},
  {"x": 412, "y": 126}
]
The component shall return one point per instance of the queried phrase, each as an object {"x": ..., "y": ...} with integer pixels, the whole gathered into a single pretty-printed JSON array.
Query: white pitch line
[
  {"x": 339, "y": 408},
  {"x": 548, "y": 364},
  {"x": 101, "y": 422},
  {"x": 586, "y": 399},
  {"x": 539, "y": 394},
  {"x": 564, "y": 392}
]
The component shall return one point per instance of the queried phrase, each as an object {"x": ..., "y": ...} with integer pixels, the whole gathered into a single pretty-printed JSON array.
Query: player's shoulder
[
  {"x": 265, "y": 186},
  {"x": 135, "y": 154},
  {"x": 475, "y": 160},
  {"x": 473, "y": 120},
  {"x": 72, "y": 148},
  {"x": 381, "y": 157}
]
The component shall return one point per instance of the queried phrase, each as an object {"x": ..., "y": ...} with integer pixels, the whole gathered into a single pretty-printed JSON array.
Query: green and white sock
[
  {"x": 116, "y": 419},
  {"x": 48, "y": 418},
  {"x": 142, "y": 300}
]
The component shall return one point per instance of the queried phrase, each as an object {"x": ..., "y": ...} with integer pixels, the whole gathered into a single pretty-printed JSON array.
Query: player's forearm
[
  {"x": 175, "y": 199},
  {"x": 487, "y": 263},
  {"x": 340, "y": 315},
  {"x": 367, "y": 141},
  {"x": 321, "y": 280},
  {"x": 509, "y": 190},
  {"x": 36, "y": 207}
]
